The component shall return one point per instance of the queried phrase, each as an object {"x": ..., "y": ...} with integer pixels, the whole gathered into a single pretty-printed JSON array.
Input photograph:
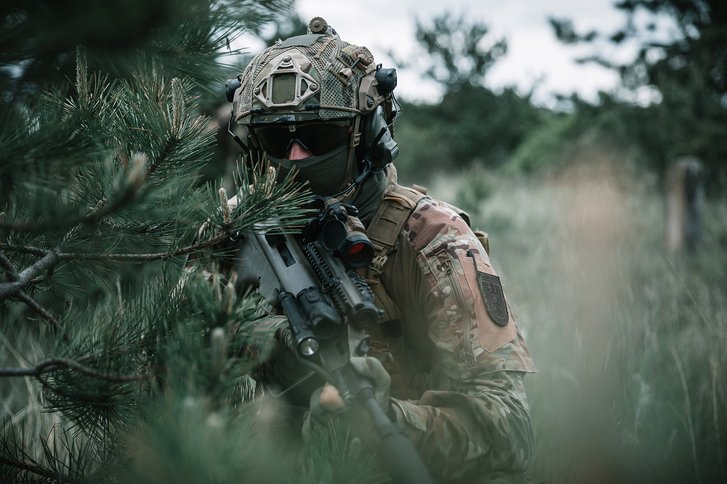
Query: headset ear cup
[{"x": 377, "y": 139}]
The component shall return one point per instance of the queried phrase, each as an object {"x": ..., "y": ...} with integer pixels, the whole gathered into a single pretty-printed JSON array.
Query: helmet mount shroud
[
  {"x": 287, "y": 84},
  {"x": 317, "y": 77}
]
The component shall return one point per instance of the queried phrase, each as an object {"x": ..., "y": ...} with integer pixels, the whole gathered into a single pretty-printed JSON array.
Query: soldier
[{"x": 450, "y": 360}]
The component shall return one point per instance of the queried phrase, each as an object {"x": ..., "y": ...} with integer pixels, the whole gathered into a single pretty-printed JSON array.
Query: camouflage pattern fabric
[
  {"x": 262, "y": 336},
  {"x": 334, "y": 69},
  {"x": 457, "y": 375}
]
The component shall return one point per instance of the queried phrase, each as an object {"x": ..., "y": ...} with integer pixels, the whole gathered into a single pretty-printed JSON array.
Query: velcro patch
[{"x": 494, "y": 297}]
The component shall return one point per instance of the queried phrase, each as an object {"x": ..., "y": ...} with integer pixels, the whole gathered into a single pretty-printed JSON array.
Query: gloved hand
[
  {"x": 326, "y": 402},
  {"x": 278, "y": 370},
  {"x": 372, "y": 369}
]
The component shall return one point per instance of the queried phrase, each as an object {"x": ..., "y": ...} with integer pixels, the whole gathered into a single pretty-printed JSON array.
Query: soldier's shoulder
[{"x": 433, "y": 219}]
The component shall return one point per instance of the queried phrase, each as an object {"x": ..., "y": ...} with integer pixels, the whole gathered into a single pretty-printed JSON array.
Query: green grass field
[{"x": 630, "y": 340}]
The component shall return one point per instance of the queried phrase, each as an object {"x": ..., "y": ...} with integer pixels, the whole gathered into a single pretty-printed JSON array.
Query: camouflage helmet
[
  {"x": 316, "y": 76},
  {"x": 333, "y": 87}
]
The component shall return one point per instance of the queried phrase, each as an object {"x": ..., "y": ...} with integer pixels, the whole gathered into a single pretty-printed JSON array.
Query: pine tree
[
  {"x": 118, "y": 335},
  {"x": 684, "y": 77}
]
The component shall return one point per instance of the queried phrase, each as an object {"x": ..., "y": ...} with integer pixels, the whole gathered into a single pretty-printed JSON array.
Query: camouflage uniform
[
  {"x": 456, "y": 373},
  {"x": 451, "y": 346}
]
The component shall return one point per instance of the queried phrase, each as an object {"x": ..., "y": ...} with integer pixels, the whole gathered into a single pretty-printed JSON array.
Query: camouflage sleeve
[
  {"x": 474, "y": 417},
  {"x": 479, "y": 431}
]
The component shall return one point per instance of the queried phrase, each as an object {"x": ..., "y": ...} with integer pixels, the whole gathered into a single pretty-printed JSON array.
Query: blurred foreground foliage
[{"x": 118, "y": 338}]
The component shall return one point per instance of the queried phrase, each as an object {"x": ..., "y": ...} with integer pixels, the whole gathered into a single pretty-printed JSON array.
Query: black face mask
[
  {"x": 326, "y": 171},
  {"x": 326, "y": 174}
]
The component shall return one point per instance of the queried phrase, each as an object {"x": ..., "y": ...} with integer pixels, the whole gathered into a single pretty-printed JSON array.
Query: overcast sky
[{"x": 535, "y": 59}]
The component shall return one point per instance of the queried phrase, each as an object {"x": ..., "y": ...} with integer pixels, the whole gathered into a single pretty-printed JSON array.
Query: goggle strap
[
  {"x": 356, "y": 136},
  {"x": 349, "y": 189},
  {"x": 237, "y": 139}
]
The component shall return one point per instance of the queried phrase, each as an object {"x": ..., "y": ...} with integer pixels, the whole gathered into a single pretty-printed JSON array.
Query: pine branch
[
  {"x": 118, "y": 257},
  {"x": 54, "y": 364},
  {"x": 28, "y": 467},
  {"x": 9, "y": 269},
  {"x": 169, "y": 146},
  {"x": 26, "y": 276},
  {"x": 39, "y": 310},
  {"x": 135, "y": 179}
]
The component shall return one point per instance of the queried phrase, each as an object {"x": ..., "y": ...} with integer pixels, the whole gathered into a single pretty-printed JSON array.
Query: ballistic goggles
[{"x": 317, "y": 137}]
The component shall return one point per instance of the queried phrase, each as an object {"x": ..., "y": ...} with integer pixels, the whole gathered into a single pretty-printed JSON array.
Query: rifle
[{"x": 329, "y": 307}]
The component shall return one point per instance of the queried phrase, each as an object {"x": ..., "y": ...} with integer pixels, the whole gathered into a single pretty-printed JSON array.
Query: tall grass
[{"x": 630, "y": 340}]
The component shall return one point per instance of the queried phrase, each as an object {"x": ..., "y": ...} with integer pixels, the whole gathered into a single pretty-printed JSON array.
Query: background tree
[
  {"x": 455, "y": 50},
  {"x": 282, "y": 28},
  {"x": 684, "y": 79},
  {"x": 472, "y": 124}
]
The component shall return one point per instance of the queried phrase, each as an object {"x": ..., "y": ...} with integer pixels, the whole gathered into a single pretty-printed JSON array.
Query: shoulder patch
[{"x": 494, "y": 297}]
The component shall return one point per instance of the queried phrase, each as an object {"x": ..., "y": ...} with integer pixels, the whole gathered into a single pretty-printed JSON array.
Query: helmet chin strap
[
  {"x": 367, "y": 168},
  {"x": 349, "y": 190}
]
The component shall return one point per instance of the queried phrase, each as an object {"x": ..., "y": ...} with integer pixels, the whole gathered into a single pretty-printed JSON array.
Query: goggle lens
[{"x": 318, "y": 138}]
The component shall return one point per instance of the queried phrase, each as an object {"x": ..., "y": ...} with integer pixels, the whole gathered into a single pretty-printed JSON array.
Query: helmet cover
[{"x": 310, "y": 77}]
